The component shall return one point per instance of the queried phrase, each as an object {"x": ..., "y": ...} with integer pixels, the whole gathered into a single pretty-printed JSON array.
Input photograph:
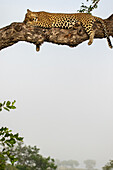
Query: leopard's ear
[{"x": 28, "y": 11}]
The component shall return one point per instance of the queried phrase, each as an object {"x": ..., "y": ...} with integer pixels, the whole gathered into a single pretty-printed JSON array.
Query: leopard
[{"x": 66, "y": 21}]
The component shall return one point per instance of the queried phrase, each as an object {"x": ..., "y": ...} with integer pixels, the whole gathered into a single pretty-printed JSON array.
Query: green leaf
[
  {"x": 7, "y": 152},
  {"x": 52, "y": 160},
  {"x": 8, "y": 103},
  {"x": 4, "y": 103},
  {"x": 9, "y": 107},
  {"x": 13, "y": 107},
  {"x": 1, "y": 129},
  {"x": 6, "y": 109},
  {"x": 7, "y": 135},
  {"x": 13, "y": 102},
  {"x": 2, "y": 139},
  {"x": 8, "y": 144},
  {"x": 12, "y": 141},
  {"x": 16, "y": 135},
  {"x": 3, "y": 150},
  {"x": 20, "y": 139}
]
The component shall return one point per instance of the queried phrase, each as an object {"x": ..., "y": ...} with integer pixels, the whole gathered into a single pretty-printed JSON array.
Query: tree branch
[{"x": 16, "y": 32}]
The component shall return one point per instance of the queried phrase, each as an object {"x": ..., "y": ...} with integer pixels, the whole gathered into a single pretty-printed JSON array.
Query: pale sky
[{"x": 64, "y": 95}]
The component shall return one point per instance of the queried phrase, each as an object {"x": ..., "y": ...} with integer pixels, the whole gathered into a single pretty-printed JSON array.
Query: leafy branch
[
  {"x": 7, "y": 105},
  {"x": 88, "y": 9},
  {"x": 7, "y": 142}
]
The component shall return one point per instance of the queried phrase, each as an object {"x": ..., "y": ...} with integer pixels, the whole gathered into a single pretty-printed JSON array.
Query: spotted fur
[{"x": 66, "y": 21}]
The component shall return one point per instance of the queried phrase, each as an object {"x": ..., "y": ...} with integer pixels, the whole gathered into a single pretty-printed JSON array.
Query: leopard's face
[
  {"x": 30, "y": 18},
  {"x": 36, "y": 18}
]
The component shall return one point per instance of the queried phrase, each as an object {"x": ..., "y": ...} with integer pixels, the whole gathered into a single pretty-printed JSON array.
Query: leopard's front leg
[{"x": 91, "y": 37}]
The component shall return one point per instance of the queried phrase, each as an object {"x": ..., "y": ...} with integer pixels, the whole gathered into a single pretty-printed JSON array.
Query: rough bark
[{"x": 16, "y": 32}]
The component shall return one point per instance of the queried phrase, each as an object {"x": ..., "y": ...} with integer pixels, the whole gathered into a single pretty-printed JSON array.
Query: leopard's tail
[
  {"x": 105, "y": 31},
  {"x": 109, "y": 42}
]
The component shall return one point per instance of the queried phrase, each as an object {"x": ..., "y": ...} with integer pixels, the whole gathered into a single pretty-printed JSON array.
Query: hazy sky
[{"x": 64, "y": 95}]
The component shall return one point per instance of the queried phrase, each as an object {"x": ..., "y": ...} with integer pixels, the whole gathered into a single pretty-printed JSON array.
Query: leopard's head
[{"x": 30, "y": 17}]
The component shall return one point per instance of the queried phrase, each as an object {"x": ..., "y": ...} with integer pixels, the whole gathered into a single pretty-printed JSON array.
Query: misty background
[{"x": 64, "y": 96}]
